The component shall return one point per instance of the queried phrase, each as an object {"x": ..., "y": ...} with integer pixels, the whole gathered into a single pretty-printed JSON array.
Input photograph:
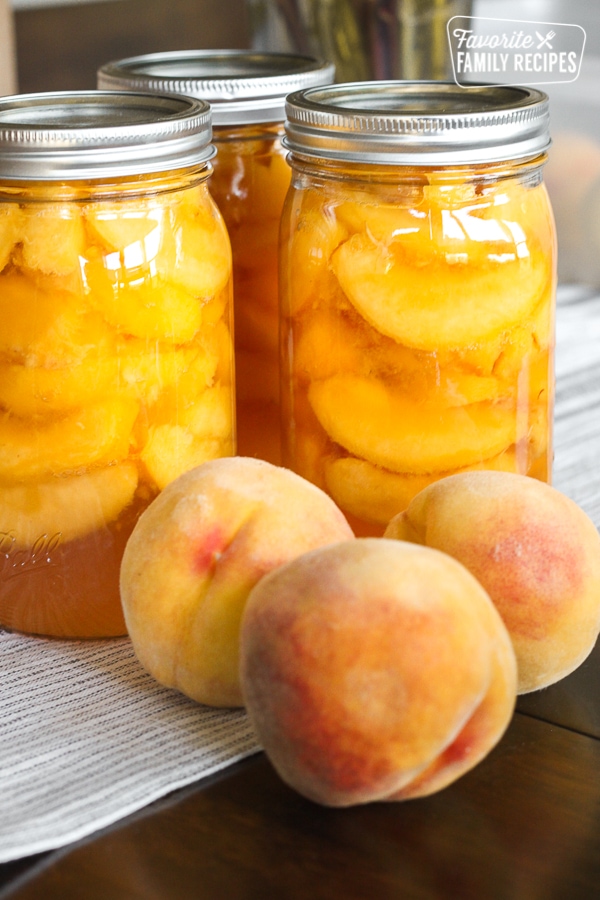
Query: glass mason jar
[
  {"x": 246, "y": 91},
  {"x": 116, "y": 354},
  {"x": 418, "y": 290}
]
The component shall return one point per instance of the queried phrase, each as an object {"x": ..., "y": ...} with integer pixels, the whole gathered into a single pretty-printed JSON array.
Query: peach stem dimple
[{"x": 209, "y": 552}]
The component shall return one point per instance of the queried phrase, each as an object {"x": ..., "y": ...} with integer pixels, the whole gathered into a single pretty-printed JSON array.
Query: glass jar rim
[
  {"x": 77, "y": 135},
  {"x": 417, "y": 123}
]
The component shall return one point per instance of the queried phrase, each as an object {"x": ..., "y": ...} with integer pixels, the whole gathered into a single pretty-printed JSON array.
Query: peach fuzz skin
[
  {"x": 375, "y": 670},
  {"x": 196, "y": 553},
  {"x": 535, "y": 552}
]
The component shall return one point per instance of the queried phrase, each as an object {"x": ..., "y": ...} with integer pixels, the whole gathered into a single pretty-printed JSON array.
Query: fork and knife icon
[{"x": 545, "y": 41}]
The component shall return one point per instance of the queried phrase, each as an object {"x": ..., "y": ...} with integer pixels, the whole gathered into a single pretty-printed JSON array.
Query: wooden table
[{"x": 523, "y": 825}]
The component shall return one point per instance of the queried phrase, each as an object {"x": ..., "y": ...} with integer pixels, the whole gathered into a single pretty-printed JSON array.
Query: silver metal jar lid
[
  {"x": 93, "y": 134},
  {"x": 242, "y": 86},
  {"x": 417, "y": 123}
]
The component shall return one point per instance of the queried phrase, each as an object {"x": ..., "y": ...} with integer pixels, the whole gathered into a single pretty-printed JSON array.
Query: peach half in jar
[
  {"x": 116, "y": 307},
  {"x": 418, "y": 318}
]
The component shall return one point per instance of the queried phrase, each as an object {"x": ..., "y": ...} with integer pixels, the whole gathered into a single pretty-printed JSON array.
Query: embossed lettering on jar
[
  {"x": 116, "y": 354},
  {"x": 418, "y": 288}
]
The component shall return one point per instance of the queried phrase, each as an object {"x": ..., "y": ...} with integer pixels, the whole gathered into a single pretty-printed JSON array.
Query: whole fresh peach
[
  {"x": 374, "y": 670},
  {"x": 195, "y": 554},
  {"x": 535, "y": 552}
]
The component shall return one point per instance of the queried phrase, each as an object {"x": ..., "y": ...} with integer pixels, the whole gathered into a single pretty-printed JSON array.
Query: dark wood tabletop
[{"x": 523, "y": 825}]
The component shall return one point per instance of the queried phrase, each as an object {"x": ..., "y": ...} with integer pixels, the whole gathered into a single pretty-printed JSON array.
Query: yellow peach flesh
[
  {"x": 68, "y": 506},
  {"x": 374, "y": 494},
  {"x": 372, "y": 421},
  {"x": 53, "y": 238},
  {"x": 439, "y": 306}
]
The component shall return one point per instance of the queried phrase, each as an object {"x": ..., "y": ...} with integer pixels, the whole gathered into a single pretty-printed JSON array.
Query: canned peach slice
[
  {"x": 145, "y": 308},
  {"x": 372, "y": 422},
  {"x": 48, "y": 282},
  {"x": 436, "y": 306},
  {"x": 182, "y": 394},
  {"x": 53, "y": 238},
  {"x": 375, "y": 495},
  {"x": 400, "y": 217},
  {"x": 494, "y": 218},
  {"x": 149, "y": 371},
  {"x": 212, "y": 415},
  {"x": 501, "y": 355},
  {"x": 216, "y": 309},
  {"x": 310, "y": 451},
  {"x": 534, "y": 450},
  {"x": 423, "y": 380},
  {"x": 428, "y": 234},
  {"x": 184, "y": 243},
  {"x": 45, "y": 328},
  {"x": 330, "y": 345},
  {"x": 536, "y": 379},
  {"x": 455, "y": 388},
  {"x": 450, "y": 220},
  {"x": 268, "y": 184},
  {"x": 369, "y": 492},
  {"x": 326, "y": 345},
  {"x": 542, "y": 318},
  {"x": 195, "y": 253},
  {"x": 172, "y": 450},
  {"x": 534, "y": 335},
  {"x": 96, "y": 435},
  {"x": 133, "y": 227},
  {"x": 535, "y": 442},
  {"x": 315, "y": 236},
  {"x": 36, "y": 390},
  {"x": 454, "y": 192},
  {"x": 479, "y": 358},
  {"x": 10, "y": 230},
  {"x": 519, "y": 357},
  {"x": 219, "y": 340},
  {"x": 518, "y": 201},
  {"x": 67, "y": 507},
  {"x": 191, "y": 199},
  {"x": 386, "y": 223}
]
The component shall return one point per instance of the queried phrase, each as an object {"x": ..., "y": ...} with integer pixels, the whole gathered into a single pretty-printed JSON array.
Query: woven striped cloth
[
  {"x": 577, "y": 412},
  {"x": 87, "y": 737}
]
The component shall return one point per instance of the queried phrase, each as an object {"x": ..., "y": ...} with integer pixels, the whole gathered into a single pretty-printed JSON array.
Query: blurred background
[{"x": 59, "y": 44}]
